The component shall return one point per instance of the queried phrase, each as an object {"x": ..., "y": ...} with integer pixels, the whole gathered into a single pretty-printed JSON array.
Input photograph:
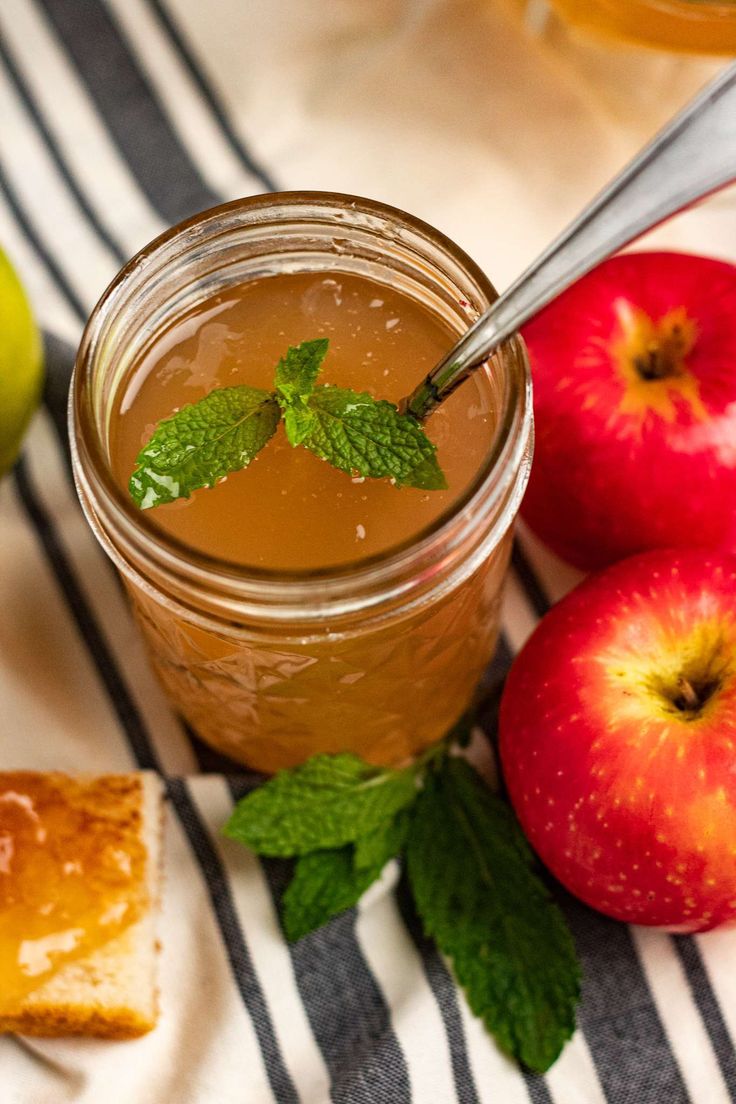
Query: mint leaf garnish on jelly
[
  {"x": 207, "y": 440},
  {"x": 296, "y": 373},
  {"x": 352, "y": 431},
  {"x": 357, "y": 433},
  {"x": 469, "y": 870},
  {"x": 203, "y": 442}
]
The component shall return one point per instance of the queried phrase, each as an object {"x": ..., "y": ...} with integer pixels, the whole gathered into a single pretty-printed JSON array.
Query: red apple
[
  {"x": 618, "y": 740},
  {"x": 635, "y": 404}
]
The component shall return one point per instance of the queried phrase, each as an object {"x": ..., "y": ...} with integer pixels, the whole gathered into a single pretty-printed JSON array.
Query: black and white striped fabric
[{"x": 118, "y": 117}]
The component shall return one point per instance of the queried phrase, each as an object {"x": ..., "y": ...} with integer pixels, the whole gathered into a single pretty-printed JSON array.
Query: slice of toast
[{"x": 111, "y": 993}]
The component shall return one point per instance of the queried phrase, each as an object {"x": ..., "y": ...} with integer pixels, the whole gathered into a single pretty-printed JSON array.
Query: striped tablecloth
[{"x": 116, "y": 119}]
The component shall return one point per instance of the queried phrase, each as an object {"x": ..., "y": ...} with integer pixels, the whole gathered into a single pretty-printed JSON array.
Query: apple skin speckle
[
  {"x": 650, "y": 463},
  {"x": 626, "y": 791}
]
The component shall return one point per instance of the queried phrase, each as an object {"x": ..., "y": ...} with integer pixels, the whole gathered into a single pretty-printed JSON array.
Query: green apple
[{"x": 21, "y": 364}]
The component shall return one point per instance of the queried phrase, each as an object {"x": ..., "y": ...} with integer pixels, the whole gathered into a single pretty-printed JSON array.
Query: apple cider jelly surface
[{"x": 290, "y": 510}]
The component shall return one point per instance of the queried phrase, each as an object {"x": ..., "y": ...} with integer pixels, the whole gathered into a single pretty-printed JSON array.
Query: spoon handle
[{"x": 693, "y": 156}]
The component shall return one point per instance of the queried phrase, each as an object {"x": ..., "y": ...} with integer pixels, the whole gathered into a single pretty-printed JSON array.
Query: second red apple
[
  {"x": 635, "y": 406},
  {"x": 618, "y": 740}
]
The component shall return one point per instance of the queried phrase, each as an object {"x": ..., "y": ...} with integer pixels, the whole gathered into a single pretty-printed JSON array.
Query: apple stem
[{"x": 689, "y": 696}]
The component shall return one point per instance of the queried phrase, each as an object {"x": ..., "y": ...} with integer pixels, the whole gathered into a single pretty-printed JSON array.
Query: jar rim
[{"x": 175, "y": 553}]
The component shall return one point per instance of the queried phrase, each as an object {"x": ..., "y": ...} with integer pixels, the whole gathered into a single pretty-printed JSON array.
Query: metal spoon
[{"x": 693, "y": 156}]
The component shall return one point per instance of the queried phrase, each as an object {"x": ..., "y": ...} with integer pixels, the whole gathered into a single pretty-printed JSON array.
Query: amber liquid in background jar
[
  {"x": 292, "y": 609},
  {"x": 689, "y": 26}
]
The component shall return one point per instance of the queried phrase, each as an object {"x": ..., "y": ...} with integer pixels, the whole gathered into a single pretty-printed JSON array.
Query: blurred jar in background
[
  {"x": 690, "y": 26},
  {"x": 634, "y": 83}
]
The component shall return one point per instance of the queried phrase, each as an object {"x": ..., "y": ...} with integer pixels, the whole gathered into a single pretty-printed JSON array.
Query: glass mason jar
[{"x": 379, "y": 657}]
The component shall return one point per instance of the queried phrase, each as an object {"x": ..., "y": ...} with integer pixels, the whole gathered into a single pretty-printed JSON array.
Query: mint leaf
[
  {"x": 203, "y": 442},
  {"x": 298, "y": 423},
  {"x": 357, "y": 433},
  {"x": 329, "y": 801},
  {"x": 326, "y": 883},
  {"x": 469, "y": 870},
  {"x": 296, "y": 373},
  {"x": 374, "y": 850}
]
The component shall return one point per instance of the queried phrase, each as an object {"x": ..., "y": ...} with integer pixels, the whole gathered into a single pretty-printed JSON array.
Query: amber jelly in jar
[{"x": 292, "y": 609}]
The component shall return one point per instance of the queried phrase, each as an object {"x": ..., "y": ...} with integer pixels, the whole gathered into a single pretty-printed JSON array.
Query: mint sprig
[
  {"x": 469, "y": 868},
  {"x": 205, "y": 441}
]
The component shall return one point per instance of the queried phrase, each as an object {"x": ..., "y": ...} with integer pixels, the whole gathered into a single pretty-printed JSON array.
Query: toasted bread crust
[{"x": 53, "y": 1020}]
